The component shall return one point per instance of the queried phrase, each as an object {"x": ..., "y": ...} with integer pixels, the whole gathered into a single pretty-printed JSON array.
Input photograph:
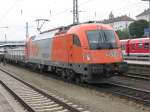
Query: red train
[
  {"x": 89, "y": 52},
  {"x": 138, "y": 48}
]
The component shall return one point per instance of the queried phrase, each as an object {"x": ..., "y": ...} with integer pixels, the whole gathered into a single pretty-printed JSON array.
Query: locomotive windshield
[{"x": 101, "y": 39}]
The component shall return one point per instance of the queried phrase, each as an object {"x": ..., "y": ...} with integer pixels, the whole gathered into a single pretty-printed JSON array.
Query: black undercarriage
[
  {"x": 90, "y": 73},
  {"x": 97, "y": 72}
]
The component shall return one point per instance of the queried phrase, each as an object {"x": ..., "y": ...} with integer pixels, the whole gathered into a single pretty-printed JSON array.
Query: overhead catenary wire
[{"x": 53, "y": 15}]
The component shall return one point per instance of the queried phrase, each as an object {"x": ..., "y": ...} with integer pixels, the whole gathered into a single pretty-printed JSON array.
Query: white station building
[{"x": 118, "y": 23}]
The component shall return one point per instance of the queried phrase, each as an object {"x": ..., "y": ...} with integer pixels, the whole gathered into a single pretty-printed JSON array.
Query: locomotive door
[
  {"x": 68, "y": 45},
  {"x": 75, "y": 54}
]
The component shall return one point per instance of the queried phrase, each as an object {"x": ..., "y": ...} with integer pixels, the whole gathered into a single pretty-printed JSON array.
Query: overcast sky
[{"x": 15, "y": 13}]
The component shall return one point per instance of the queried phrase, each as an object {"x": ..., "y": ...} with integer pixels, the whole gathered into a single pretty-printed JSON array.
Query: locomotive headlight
[{"x": 87, "y": 56}]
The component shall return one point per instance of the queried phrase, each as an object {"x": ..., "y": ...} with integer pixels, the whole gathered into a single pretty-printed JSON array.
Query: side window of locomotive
[
  {"x": 146, "y": 45},
  {"x": 133, "y": 46},
  {"x": 76, "y": 41},
  {"x": 123, "y": 46},
  {"x": 140, "y": 45}
]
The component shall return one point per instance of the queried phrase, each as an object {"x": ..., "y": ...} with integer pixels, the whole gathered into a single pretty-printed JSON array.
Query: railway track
[
  {"x": 134, "y": 92},
  {"x": 141, "y": 95},
  {"x": 34, "y": 99},
  {"x": 139, "y": 69},
  {"x": 138, "y": 76},
  {"x": 116, "y": 88}
]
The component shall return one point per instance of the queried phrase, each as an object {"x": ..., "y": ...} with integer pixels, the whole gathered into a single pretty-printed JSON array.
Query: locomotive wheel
[
  {"x": 63, "y": 74},
  {"x": 70, "y": 75},
  {"x": 34, "y": 66},
  {"x": 79, "y": 79},
  {"x": 41, "y": 67}
]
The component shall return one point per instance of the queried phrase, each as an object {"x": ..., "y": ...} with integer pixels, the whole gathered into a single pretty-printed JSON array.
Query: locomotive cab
[
  {"x": 98, "y": 52},
  {"x": 106, "y": 55}
]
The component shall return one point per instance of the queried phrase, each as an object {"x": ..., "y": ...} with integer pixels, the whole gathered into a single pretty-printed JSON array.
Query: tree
[
  {"x": 123, "y": 34},
  {"x": 137, "y": 28}
]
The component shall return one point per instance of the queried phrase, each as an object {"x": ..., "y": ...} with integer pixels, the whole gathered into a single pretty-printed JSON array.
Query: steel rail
[
  {"x": 17, "y": 97},
  {"x": 66, "y": 105},
  {"x": 137, "y": 94},
  {"x": 116, "y": 89},
  {"x": 138, "y": 76}
]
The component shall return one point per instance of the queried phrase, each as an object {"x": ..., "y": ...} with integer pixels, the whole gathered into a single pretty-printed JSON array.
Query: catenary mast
[{"x": 75, "y": 12}]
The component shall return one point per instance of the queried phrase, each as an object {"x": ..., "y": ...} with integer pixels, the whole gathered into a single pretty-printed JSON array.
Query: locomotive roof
[
  {"x": 63, "y": 29},
  {"x": 141, "y": 38},
  {"x": 137, "y": 40},
  {"x": 71, "y": 28}
]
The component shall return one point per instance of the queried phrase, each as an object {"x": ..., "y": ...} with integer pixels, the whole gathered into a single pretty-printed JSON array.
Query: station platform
[{"x": 138, "y": 62}]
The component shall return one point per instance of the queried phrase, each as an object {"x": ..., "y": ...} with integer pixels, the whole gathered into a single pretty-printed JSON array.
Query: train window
[
  {"x": 123, "y": 46},
  {"x": 76, "y": 40},
  {"x": 140, "y": 45},
  {"x": 133, "y": 46},
  {"x": 101, "y": 39},
  {"x": 146, "y": 45}
]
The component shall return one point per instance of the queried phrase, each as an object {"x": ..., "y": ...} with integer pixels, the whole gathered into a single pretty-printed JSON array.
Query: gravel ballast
[{"x": 95, "y": 101}]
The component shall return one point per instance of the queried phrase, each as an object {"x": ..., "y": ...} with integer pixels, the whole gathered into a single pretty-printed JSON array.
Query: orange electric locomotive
[{"x": 89, "y": 52}]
